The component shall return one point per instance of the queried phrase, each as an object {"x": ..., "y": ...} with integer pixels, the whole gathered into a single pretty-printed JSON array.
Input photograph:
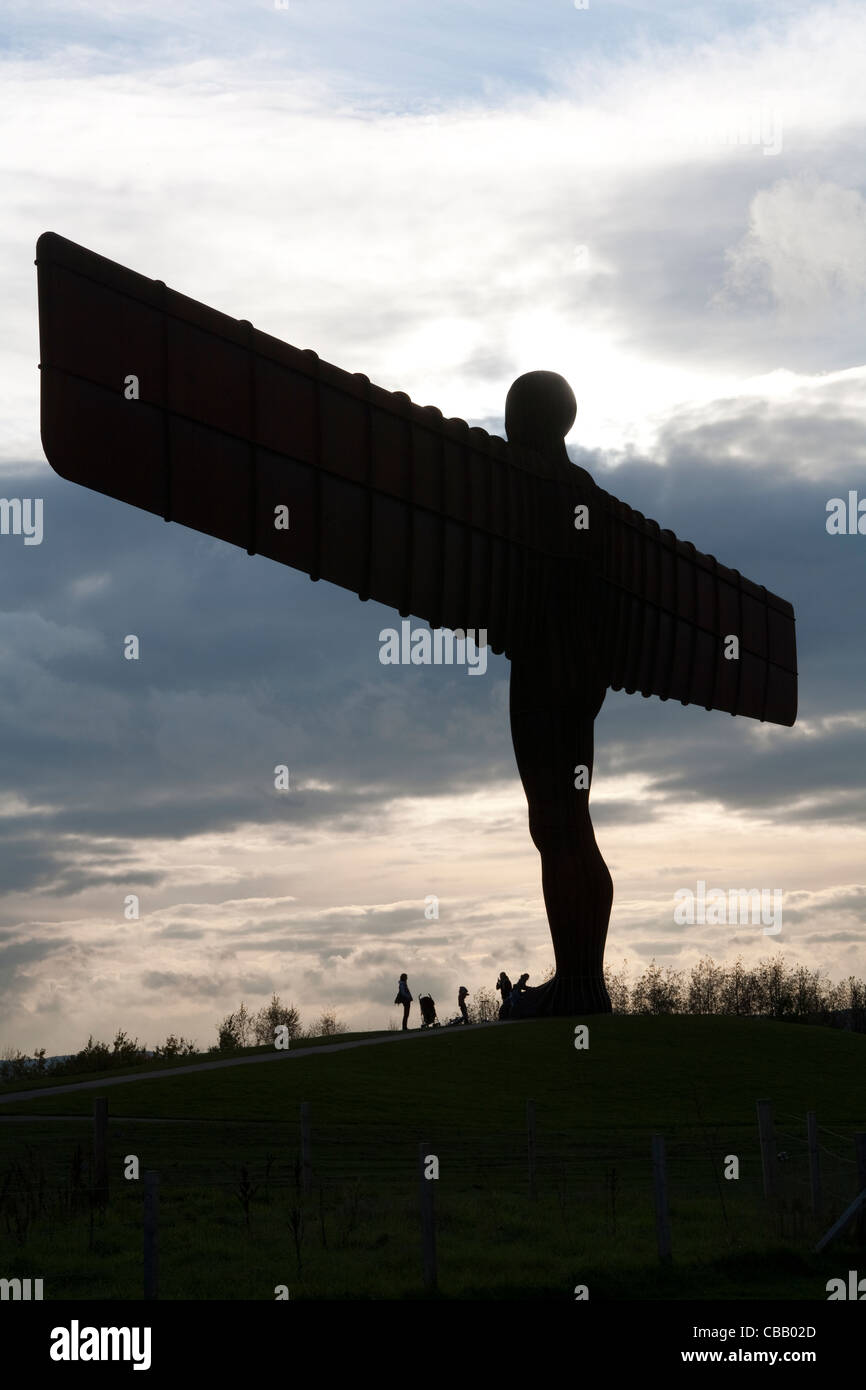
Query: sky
[{"x": 662, "y": 202}]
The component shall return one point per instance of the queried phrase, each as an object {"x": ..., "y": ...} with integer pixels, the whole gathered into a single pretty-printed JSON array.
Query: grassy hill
[
  {"x": 32, "y": 1080},
  {"x": 236, "y": 1222}
]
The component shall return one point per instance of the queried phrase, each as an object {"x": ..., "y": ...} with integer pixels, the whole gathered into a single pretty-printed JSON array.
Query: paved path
[{"x": 288, "y": 1056}]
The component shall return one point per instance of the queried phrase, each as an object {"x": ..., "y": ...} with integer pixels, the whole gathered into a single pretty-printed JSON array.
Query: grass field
[
  {"x": 235, "y": 1221},
  {"x": 32, "y": 1080}
]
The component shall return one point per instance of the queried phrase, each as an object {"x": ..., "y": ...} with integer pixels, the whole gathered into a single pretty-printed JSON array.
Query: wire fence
[{"x": 214, "y": 1152}]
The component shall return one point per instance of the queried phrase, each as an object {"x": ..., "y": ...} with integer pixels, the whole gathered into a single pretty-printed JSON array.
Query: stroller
[{"x": 428, "y": 1011}]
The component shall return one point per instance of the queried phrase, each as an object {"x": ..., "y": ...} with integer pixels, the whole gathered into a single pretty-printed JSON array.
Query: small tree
[
  {"x": 328, "y": 1025},
  {"x": 484, "y": 1007},
  {"x": 175, "y": 1047},
  {"x": 658, "y": 991},
  {"x": 235, "y": 1030},
  {"x": 125, "y": 1050},
  {"x": 227, "y": 1031},
  {"x": 705, "y": 987},
  {"x": 737, "y": 990},
  {"x": 94, "y": 1056},
  {"x": 847, "y": 994},
  {"x": 618, "y": 988},
  {"x": 14, "y": 1065},
  {"x": 244, "y": 1025},
  {"x": 808, "y": 992},
  {"x": 776, "y": 987},
  {"x": 274, "y": 1015}
]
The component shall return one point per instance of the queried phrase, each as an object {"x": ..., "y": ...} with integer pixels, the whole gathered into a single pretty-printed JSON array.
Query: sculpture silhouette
[
  {"x": 556, "y": 691},
  {"x": 157, "y": 400}
]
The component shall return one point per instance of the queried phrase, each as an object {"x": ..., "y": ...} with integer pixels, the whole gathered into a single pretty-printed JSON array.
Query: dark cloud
[
  {"x": 245, "y": 664},
  {"x": 182, "y": 983},
  {"x": 177, "y": 931},
  {"x": 19, "y": 953},
  {"x": 823, "y": 938},
  {"x": 656, "y": 948}
]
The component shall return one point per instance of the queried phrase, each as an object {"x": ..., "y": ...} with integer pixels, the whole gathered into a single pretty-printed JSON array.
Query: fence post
[
  {"x": 100, "y": 1150},
  {"x": 151, "y": 1235},
  {"x": 860, "y": 1154},
  {"x": 306, "y": 1160},
  {"x": 660, "y": 1194},
  {"x": 814, "y": 1160},
  {"x": 428, "y": 1227},
  {"x": 858, "y": 1203},
  {"x": 768, "y": 1147},
  {"x": 530, "y": 1144}
]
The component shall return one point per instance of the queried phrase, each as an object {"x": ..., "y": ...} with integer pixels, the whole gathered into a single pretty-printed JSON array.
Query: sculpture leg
[{"x": 552, "y": 731}]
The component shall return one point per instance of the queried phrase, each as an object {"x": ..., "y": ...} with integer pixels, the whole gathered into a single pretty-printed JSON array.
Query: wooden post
[
  {"x": 768, "y": 1147},
  {"x": 530, "y": 1144},
  {"x": 660, "y": 1193},
  {"x": 428, "y": 1227},
  {"x": 858, "y": 1204},
  {"x": 151, "y": 1235},
  {"x": 100, "y": 1150},
  {"x": 306, "y": 1160},
  {"x": 860, "y": 1155},
  {"x": 814, "y": 1161}
]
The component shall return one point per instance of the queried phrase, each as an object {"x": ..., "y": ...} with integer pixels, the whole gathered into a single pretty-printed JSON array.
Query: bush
[
  {"x": 229, "y": 1035},
  {"x": 618, "y": 989},
  {"x": 658, "y": 991},
  {"x": 235, "y": 1030},
  {"x": 273, "y": 1016},
  {"x": 175, "y": 1047},
  {"x": 125, "y": 1050},
  {"x": 328, "y": 1025},
  {"x": 94, "y": 1056},
  {"x": 14, "y": 1064},
  {"x": 705, "y": 987},
  {"x": 484, "y": 1007}
]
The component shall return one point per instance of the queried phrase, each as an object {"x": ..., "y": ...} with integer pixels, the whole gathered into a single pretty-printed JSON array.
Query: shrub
[{"x": 274, "y": 1015}]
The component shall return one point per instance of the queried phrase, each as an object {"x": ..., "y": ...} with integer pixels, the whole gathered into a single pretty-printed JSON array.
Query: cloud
[
  {"x": 403, "y": 189},
  {"x": 156, "y": 777},
  {"x": 805, "y": 247}
]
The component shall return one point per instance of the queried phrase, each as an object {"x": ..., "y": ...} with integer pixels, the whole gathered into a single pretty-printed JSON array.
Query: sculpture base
[{"x": 562, "y": 997}]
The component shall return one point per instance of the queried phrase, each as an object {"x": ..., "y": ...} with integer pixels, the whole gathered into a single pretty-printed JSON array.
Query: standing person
[
  {"x": 518, "y": 994},
  {"x": 503, "y": 984},
  {"x": 511, "y": 1005},
  {"x": 404, "y": 998},
  {"x": 462, "y": 996}
]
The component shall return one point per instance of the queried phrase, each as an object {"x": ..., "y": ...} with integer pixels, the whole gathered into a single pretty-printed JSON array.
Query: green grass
[
  {"x": 31, "y": 1081},
  {"x": 694, "y": 1080}
]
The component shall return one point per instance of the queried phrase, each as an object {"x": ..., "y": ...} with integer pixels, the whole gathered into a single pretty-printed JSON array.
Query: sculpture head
[{"x": 540, "y": 409}]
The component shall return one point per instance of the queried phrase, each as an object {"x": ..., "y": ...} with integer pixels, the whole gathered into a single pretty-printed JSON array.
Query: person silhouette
[
  {"x": 511, "y": 1006},
  {"x": 404, "y": 998}
]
